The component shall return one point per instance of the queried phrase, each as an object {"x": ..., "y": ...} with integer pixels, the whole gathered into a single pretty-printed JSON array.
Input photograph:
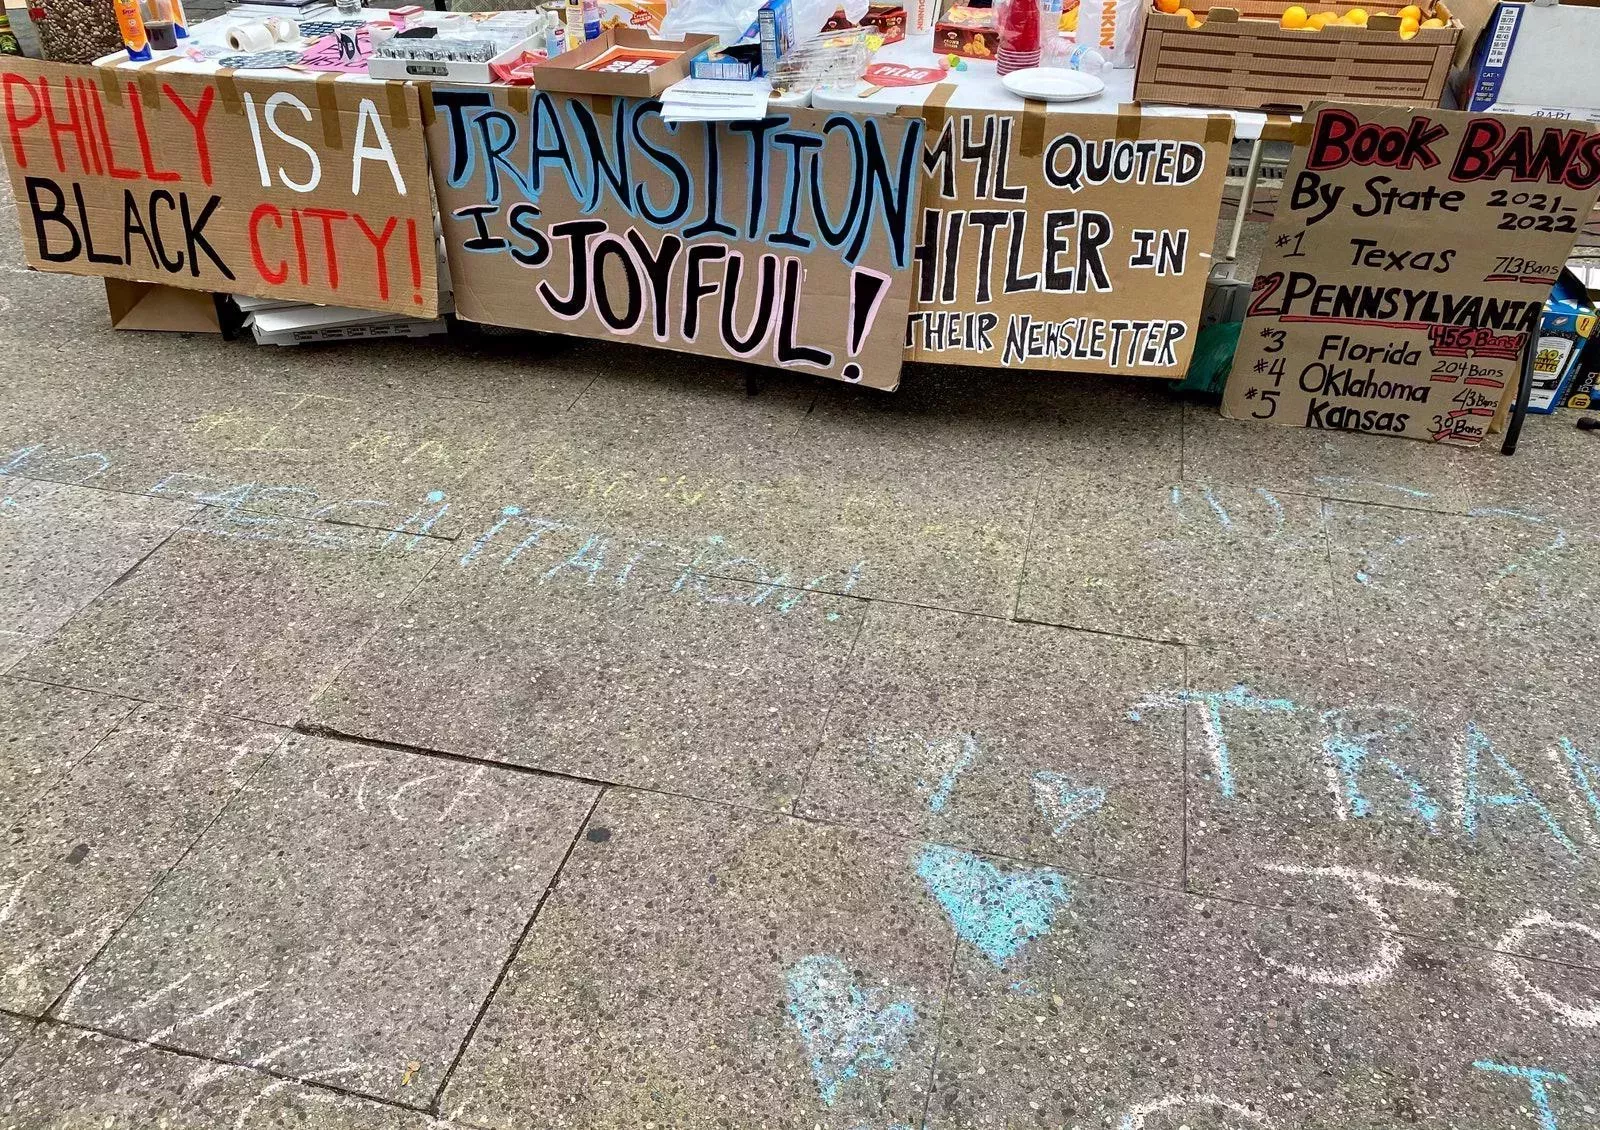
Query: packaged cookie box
[{"x": 968, "y": 32}]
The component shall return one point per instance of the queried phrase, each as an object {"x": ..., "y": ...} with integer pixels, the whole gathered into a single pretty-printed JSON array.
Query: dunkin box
[{"x": 624, "y": 62}]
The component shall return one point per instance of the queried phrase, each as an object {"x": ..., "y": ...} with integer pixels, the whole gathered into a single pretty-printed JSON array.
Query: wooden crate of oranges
[{"x": 1261, "y": 55}]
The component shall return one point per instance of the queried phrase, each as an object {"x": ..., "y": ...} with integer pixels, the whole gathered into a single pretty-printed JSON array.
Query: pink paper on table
[{"x": 329, "y": 54}]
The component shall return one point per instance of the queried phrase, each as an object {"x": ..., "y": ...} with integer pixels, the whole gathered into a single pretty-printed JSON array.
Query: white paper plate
[{"x": 1052, "y": 84}]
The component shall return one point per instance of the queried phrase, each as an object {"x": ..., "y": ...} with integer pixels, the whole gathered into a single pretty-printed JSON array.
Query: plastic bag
[{"x": 733, "y": 20}]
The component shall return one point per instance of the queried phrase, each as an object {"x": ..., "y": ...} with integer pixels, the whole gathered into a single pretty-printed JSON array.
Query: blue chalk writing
[
  {"x": 1477, "y": 743},
  {"x": 40, "y": 461},
  {"x": 1346, "y": 754},
  {"x": 999, "y": 912},
  {"x": 846, "y": 1029},
  {"x": 1062, "y": 802},
  {"x": 1537, "y": 1079},
  {"x": 967, "y": 751},
  {"x": 1584, "y": 771},
  {"x": 1211, "y": 704}
]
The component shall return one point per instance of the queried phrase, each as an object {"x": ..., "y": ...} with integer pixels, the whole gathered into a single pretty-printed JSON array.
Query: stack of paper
[{"x": 713, "y": 100}]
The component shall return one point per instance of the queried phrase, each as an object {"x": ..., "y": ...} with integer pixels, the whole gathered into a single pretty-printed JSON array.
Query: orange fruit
[
  {"x": 1432, "y": 23},
  {"x": 1168, "y": 6},
  {"x": 1408, "y": 24},
  {"x": 1356, "y": 17},
  {"x": 1293, "y": 16},
  {"x": 1410, "y": 12}
]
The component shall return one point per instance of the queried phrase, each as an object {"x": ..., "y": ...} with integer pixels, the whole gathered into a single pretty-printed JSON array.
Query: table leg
[{"x": 1247, "y": 196}]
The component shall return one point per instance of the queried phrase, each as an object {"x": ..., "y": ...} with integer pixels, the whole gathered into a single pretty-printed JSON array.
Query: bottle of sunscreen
[{"x": 134, "y": 38}]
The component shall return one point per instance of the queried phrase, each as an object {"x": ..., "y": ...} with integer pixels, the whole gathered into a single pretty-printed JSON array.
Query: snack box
[
  {"x": 642, "y": 15},
  {"x": 624, "y": 62},
  {"x": 1568, "y": 321},
  {"x": 888, "y": 19},
  {"x": 969, "y": 32}
]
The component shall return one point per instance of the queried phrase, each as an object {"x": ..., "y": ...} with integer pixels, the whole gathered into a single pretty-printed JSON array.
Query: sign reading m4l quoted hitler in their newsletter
[
  {"x": 784, "y": 241},
  {"x": 1074, "y": 242},
  {"x": 299, "y": 189},
  {"x": 1408, "y": 267}
]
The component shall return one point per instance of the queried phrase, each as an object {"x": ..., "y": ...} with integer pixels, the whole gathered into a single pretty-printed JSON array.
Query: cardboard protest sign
[
  {"x": 783, "y": 242},
  {"x": 1066, "y": 241},
  {"x": 306, "y": 190},
  {"x": 1407, "y": 267}
]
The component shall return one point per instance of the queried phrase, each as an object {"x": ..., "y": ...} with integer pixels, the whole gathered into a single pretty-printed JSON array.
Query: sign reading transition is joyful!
[
  {"x": 783, "y": 242},
  {"x": 314, "y": 191},
  {"x": 1066, "y": 241},
  {"x": 1408, "y": 267}
]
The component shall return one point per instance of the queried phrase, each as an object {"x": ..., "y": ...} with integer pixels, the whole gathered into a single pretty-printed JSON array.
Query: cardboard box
[
  {"x": 151, "y": 306},
  {"x": 574, "y": 71},
  {"x": 889, "y": 20},
  {"x": 1537, "y": 58},
  {"x": 969, "y": 32},
  {"x": 1240, "y": 57}
]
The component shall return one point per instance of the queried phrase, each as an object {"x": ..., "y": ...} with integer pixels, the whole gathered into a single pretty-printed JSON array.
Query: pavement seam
[
  {"x": 1027, "y": 545},
  {"x": 360, "y": 647},
  {"x": 220, "y": 1061},
  {"x": 938, "y": 1032},
  {"x": 516, "y": 948},
  {"x": 827, "y": 715},
  {"x": 79, "y": 978}
]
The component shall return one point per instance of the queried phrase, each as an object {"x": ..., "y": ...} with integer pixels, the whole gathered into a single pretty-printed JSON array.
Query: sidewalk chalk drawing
[
  {"x": 847, "y": 1030},
  {"x": 997, "y": 911},
  {"x": 1062, "y": 802}
]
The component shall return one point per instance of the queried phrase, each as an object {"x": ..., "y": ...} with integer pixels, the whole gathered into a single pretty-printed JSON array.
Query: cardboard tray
[
  {"x": 1241, "y": 58},
  {"x": 564, "y": 73},
  {"x": 476, "y": 73}
]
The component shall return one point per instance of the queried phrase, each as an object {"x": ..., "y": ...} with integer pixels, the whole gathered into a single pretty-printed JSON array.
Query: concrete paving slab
[
  {"x": 1453, "y": 811},
  {"x": 1156, "y": 1011},
  {"x": 1329, "y": 464},
  {"x": 343, "y": 921},
  {"x": 700, "y": 966},
  {"x": 1230, "y": 566},
  {"x": 1011, "y": 738},
  {"x": 66, "y": 1078},
  {"x": 275, "y": 437},
  {"x": 250, "y": 628},
  {"x": 1499, "y": 589},
  {"x": 82, "y": 857},
  {"x": 1134, "y": 426},
  {"x": 1551, "y": 475},
  {"x": 13, "y": 1030},
  {"x": 44, "y": 732},
  {"x": 575, "y": 661},
  {"x": 62, "y": 546}
]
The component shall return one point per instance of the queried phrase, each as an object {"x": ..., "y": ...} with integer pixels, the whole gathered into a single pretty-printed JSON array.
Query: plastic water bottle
[{"x": 1088, "y": 60}]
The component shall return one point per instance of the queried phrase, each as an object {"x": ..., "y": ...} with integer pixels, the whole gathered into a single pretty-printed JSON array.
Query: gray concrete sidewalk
[{"x": 533, "y": 733}]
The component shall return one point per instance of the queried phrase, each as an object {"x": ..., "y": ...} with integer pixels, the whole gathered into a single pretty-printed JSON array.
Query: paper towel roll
[
  {"x": 253, "y": 36},
  {"x": 283, "y": 30}
]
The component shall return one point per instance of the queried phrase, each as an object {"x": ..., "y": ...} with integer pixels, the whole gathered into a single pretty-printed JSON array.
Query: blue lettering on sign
[
  {"x": 999, "y": 912},
  {"x": 846, "y": 1029}
]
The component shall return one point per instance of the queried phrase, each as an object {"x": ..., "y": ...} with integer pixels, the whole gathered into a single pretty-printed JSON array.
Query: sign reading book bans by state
[
  {"x": 1408, "y": 267},
  {"x": 305, "y": 190},
  {"x": 783, "y": 242},
  {"x": 1066, "y": 241}
]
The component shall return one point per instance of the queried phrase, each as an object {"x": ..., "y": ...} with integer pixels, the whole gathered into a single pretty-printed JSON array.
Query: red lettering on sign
[
  {"x": 328, "y": 216},
  {"x": 1340, "y": 138},
  {"x": 16, "y": 123},
  {"x": 264, "y": 212},
  {"x": 380, "y": 244},
  {"x": 73, "y": 126},
  {"x": 99, "y": 116},
  {"x": 197, "y": 122},
  {"x": 143, "y": 134}
]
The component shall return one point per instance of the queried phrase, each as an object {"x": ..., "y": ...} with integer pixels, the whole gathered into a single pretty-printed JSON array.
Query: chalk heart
[
  {"x": 997, "y": 911},
  {"x": 846, "y": 1029}
]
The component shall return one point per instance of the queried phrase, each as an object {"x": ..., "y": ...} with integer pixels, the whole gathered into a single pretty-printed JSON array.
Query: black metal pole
[{"x": 1524, "y": 390}]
